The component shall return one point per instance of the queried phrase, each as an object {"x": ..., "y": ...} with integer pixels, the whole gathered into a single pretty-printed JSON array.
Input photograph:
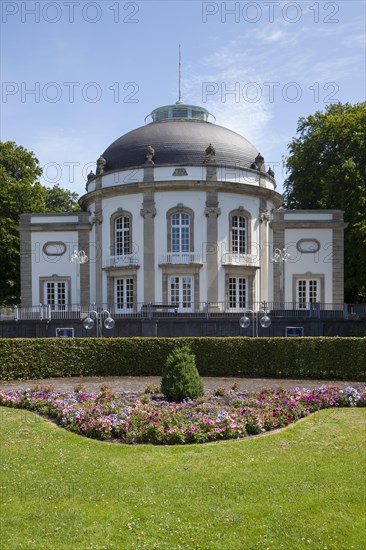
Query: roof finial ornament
[
  {"x": 101, "y": 162},
  {"x": 210, "y": 155},
  {"x": 179, "y": 78},
  {"x": 210, "y": 151},
  {"x": 258, "y": 163},
  {"x": 91, "y": 175},
  {"x": 149, "y": 154}
]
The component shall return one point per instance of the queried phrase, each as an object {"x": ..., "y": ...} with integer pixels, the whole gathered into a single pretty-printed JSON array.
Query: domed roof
[{"x": 179, "y": 142}]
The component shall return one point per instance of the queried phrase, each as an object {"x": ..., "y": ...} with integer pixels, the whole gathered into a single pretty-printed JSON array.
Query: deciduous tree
[
  {"x": 327, "y": 169},
  {"x": 58, "y": 199},
  {"x": 21, "y": 191}
]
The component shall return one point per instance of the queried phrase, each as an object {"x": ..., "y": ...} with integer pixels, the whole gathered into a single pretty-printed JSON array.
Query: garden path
[{"x": 137, "y": 383}]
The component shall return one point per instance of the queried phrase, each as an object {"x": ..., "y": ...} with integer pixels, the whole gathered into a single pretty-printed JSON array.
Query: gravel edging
[{"x": 137, "y": 383}]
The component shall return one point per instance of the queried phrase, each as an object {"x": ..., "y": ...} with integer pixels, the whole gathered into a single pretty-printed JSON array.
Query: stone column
[
  {"x": 278, "y": 242},
  {"x": 99, "y": 251},
  {"x": 262, "y": 248},
  {"x": 26, "y": 260},
  {"x": 83, "y": 244},
  {"x": 338, "y": 258},
  {"x": 212, "y": 212},
  {"x": 148, "y": 212}
]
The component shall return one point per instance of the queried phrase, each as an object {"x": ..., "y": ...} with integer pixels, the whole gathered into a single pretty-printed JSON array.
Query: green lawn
[{"x": 303, "y": 487}]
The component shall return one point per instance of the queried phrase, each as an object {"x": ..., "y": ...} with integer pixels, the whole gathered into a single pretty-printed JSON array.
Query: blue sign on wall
[
  {"x": 65, "y": 332},
  {"x": 294, "y": 331}
]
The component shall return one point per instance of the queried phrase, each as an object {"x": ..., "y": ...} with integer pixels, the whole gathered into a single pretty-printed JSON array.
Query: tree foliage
[
  {"x": 327, "y": 169},
  {"x": 20, "y": 191},
  {"x": 58, "y": 199}
]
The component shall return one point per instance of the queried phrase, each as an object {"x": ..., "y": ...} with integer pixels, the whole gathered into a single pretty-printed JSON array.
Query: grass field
[{"x": 302, "y": 487}]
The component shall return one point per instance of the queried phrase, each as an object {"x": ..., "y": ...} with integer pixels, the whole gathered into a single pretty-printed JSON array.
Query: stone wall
[{"x": 173, "y": 327}]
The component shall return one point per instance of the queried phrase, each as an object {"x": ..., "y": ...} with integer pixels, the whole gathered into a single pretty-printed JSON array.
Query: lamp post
[
  {"x": 78, "y": 257},
  {"x": 265, "y": 320},
  {"x": 95, "y": 318},
  {"x": 280, "y": 256}
]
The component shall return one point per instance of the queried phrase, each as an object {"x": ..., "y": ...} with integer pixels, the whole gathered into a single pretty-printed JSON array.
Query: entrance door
[
  {"x": 181, "y": 292},
  {"x": 308, "y": 292},
  {"x": 56, "y": 295},
  {"x": 237, "y": 293},
  {"x": 124, "y": 294}
]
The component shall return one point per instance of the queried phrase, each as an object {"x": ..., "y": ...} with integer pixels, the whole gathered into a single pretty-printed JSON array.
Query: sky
[{"x": 76, "y": 75}]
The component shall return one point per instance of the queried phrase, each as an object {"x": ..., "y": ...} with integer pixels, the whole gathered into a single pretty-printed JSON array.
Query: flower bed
[{"x": 149, "y": 418}]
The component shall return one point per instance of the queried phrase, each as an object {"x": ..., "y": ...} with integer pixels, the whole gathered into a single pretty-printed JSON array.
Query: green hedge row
[{"x": 322, "y": 358}]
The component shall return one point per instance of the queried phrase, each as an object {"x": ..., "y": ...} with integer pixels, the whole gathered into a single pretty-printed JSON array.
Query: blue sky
[{"x": 98, "y": 68}]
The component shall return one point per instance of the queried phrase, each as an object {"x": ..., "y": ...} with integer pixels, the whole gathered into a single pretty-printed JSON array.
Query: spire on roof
[{"x": 180, "y": 101}]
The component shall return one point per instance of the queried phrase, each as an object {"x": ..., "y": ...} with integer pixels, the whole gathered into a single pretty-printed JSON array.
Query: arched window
[
  {"x": 180, "y": 232},
  {"x": 238, "y": 234},
  {"x": 121, "y": 233},
  {"x": 239, "y": 224},
  {"x": 122, "y": 240},
  {"x": 180, "y": 236}
]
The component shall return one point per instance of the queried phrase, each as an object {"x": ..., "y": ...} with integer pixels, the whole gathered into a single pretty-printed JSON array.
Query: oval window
[
  {"x": 308, "y": 245},
  {"x": 54, "y": 248}
]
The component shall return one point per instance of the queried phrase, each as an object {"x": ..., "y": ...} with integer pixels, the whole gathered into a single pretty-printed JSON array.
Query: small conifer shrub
[{"x": 180, "y": 377}]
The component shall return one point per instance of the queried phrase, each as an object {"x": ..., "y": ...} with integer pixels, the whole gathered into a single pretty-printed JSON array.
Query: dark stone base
[{"x": 174, "y": 327}]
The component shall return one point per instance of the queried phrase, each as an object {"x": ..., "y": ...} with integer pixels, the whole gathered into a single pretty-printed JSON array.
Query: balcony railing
[
  {"x": 203, "y": 310},
  {"x": 180, "y": 258},
  {"x": 234, "y": 258},
  {"x": 123, "y": 261}
]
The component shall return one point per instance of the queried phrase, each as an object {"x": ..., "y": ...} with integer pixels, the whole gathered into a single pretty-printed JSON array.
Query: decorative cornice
[
  {"x": 75, "y": 226},
  {"x": 114, "y": 271},
  {"x": 243, "y": 269},
  {"x": 307, "y": 224},
  {"x": 180, "y": 185}
]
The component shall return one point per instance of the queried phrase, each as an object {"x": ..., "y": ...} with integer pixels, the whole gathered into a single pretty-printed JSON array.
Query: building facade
[{"x": 182, "y": 212}]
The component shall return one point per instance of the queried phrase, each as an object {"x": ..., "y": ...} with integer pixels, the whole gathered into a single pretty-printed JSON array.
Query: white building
[{"x": 183, "y": 212}]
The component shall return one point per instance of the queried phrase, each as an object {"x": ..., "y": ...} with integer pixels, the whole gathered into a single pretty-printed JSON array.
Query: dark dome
[{"x": 179, "y": 142}]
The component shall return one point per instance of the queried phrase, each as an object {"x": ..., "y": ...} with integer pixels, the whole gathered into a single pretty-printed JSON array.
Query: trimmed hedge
[{"x": 322, "y": 358}]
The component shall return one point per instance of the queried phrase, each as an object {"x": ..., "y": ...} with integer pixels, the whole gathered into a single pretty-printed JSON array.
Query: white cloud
[
  {"x": 225, "y": 94},
  {"x": 274, "y": 36}
]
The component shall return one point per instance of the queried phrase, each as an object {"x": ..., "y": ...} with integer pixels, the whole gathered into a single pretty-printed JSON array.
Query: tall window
[
  {"x": 237, "y": 292},
  {"x": 238, "y": 234},
  {"x": 123, "y": 236},
  {"x": 307, "y": 292},
  {"x": 180, "y": 232},
  {"x": 124, "y": 293},
  {"x": 55, "y": 294}
]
